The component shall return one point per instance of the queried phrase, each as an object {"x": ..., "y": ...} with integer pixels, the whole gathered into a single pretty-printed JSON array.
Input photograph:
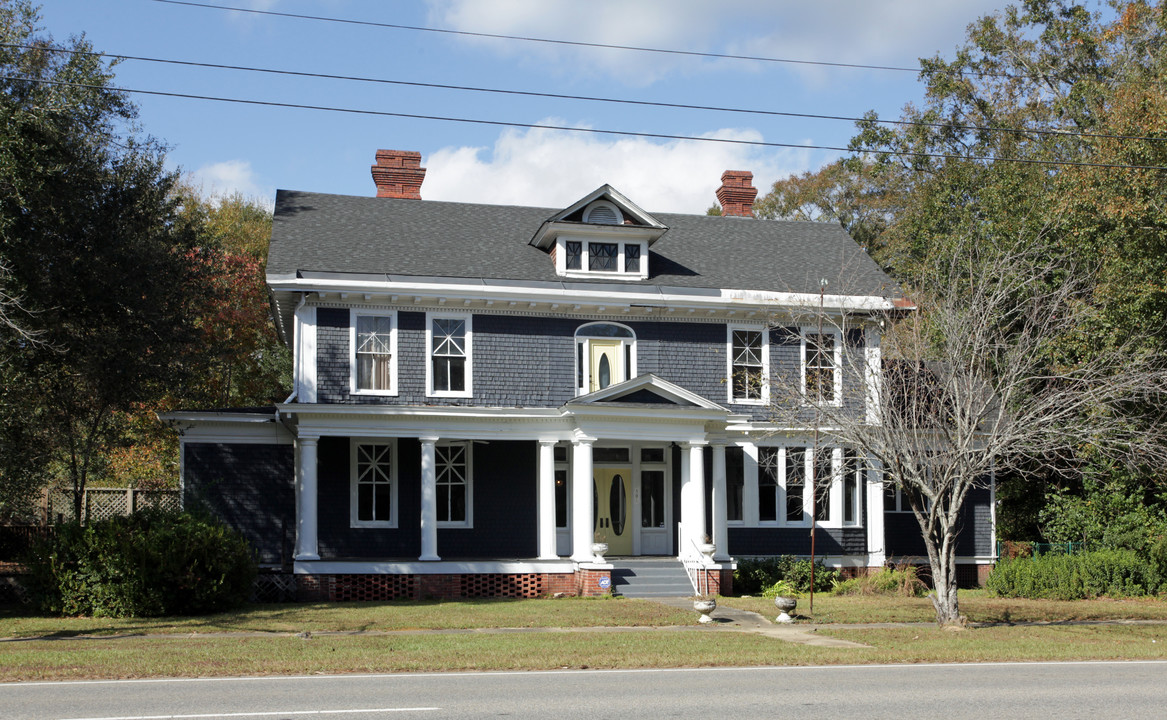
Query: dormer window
[
  {"x": 602, "y": 236},
  {"x": 592, "y": 257}
]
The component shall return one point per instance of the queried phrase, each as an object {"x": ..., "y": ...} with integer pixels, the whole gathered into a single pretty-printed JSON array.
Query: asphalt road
[{"x": 987, "y": 691}]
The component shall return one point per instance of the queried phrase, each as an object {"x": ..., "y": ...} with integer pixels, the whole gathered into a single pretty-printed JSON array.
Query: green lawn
[
  {"x": 351, "y": 617},
  {"x": 626, "y": 634}
]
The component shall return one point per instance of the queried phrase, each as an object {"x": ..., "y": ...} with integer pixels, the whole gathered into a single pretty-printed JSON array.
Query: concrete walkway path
[{"x": 728, "y": 618}]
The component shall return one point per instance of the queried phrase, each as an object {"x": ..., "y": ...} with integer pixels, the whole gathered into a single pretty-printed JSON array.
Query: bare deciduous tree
[{"x": 994, "y": 372}]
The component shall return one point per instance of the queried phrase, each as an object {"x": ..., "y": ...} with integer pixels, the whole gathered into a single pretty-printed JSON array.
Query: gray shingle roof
[{"x": 315, "y": 232}]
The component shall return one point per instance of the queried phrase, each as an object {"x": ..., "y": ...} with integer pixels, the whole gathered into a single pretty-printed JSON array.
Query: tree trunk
[{"x": 942, "y": 561}]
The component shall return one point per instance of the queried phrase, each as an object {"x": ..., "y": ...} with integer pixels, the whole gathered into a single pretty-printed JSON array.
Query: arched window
[{"x": 605, "y": 354}]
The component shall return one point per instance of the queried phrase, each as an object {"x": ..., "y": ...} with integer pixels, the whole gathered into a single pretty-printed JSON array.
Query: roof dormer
[{"x": 603, "y": 235}]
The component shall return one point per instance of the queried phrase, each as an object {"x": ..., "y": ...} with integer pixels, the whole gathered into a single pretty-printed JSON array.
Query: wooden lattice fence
[{"x": 104, "y": 503}]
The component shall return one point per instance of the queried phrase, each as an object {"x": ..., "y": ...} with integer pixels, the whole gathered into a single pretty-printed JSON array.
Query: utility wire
[
  {"x": 594, "y": 131},
  {"x": 604, "y": 46},
  {"x": 588, "y": 98},
  {"x": 574, "y": 43}
]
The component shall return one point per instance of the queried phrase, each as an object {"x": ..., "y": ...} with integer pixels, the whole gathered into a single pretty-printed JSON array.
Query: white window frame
[
  {"x": 355, "y": 313},
  {"x": 837, "y": 400},
  {"x": 765, "y": 351},
  {"x": 468, "y": 448},
  {"x": 859, "y": 478},
  {"x": 468, "y": 318},
  {"x": 565, "y": 466},
  {"x": 395, "y": 462},
  {"x": 807, "y": 508},
  {"x": 584, "y": 373},
  {"x": 621, "y": 272}
]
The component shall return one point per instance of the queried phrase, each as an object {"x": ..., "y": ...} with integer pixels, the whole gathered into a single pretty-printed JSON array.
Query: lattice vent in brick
[
  {"x": 273, "y": 588},
  {"x": 371, "y": 587},
  {"x": 497, "y": 585}
]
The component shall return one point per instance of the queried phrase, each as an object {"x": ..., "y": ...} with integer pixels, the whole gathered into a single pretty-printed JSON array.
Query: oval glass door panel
[
  {"x": 618, "y": 505},
  {"x": 605, "y": 371}
]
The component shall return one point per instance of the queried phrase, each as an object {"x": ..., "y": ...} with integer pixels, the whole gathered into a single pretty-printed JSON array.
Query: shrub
[
  {"x": 901, "y": 580},
  {"x": 142, "y": 565},
  {"x": 1116, "y": 573},
  {"x": 754, "y": 576}
]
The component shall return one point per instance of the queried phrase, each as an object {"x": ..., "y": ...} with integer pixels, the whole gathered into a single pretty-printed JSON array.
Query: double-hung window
[
  {"x": 453, "y": 468},
  {"x": 795, "y": 484},
  {"x": 769, "y": 484},
  {"x": 373, "y": 339},
  {"x": 822, "y": 379},
  {"x": 373, "y": 483},
  {"x": 824, "y": 481},
  {"x": 748, "y": 365},
  {"x": 448, "y": 339},
  {"x": 853, "y": 472}
]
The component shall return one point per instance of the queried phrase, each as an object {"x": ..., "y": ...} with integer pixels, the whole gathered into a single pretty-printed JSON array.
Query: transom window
[
  {"x": 449, "y": 340},
  {"x": 374, "y": 484},
  {"x": 748, "y": 365},
  {"x": 605, "y": 354},
  {"x": 452, "y": 469},
  {"x": 374, "y": 353}
]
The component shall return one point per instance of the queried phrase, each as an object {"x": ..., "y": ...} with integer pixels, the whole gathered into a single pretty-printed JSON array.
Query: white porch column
[
  {"x": 582, "y": 530},
  {"x": 547, "y": 500},
  {"x": 876, "y": 550},
  {"x": 429, "y": 501},
  {"x": 306, "y": 547},
  {"x": 720, "y": 517},
  {"x": 692, "y": 498}
]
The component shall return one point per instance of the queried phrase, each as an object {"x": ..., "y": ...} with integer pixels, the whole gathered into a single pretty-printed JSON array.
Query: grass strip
[
  {"x": 138, "y": 657},
  {"x": 364, "y": 616},
  {"x": 976, "y": 605}
]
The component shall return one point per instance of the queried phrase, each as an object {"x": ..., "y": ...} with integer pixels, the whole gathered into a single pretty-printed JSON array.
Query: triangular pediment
[
  {"x": 646, "y": 390},
  {"x": 620, "y": 216}
]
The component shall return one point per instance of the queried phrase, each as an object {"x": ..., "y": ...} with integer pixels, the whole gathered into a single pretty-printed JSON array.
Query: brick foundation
[{"x": 365, "y": 587}]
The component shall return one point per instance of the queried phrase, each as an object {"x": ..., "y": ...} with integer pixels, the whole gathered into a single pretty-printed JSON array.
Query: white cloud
[
  {"x": 554, "y": 168},
  {"x": 854, "y": 31},
  {"x": 223, "y": 179}
]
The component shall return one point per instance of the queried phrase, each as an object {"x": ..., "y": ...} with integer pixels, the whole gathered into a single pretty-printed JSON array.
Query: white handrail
[{"x": 695, "y": 566}]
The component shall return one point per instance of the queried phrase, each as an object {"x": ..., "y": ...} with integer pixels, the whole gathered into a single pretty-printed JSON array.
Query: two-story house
[{"x": 483, "y": 392}]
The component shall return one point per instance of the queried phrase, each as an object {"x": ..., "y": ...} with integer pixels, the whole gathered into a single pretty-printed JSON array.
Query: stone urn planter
[
  {"x": 785, "y": 606},
  {"x": 705, "y": 606},
  {"x": 707, "y": 550},
  {"x": 598, "y": 549}
]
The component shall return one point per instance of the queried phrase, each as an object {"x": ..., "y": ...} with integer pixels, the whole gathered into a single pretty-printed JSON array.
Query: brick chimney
[
  {"x": 398, "y": 174},
  {"x": 737, "y": 193}
]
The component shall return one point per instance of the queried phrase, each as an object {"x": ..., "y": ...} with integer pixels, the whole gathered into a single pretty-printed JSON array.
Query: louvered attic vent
[{"x": 602, "y": 214}]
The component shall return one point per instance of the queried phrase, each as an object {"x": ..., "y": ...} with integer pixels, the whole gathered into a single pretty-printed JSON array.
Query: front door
[
  {"x": 611, "y": 502},
  {"x": 604, "y": 364}
]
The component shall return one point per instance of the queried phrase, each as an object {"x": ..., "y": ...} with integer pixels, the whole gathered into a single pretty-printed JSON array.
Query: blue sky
[{"x": 253, "y": 149}]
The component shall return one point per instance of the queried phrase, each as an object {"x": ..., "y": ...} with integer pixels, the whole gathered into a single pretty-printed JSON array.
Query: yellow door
[
  {"x": 612, "y": 503},
  {"x": 605, "y": 365}
]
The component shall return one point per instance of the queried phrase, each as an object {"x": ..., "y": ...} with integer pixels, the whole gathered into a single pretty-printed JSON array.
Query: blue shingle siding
[
  {"x": 747, "y": 542},
  {"x": 336, "y": 537},
  {"x": 247, "y": 486},
  {"x": 505, "y": 508},
  {"x": 530, "y": 361},
  {"x": 975, "y": 536},
  {"x": 505, "y": 515}
]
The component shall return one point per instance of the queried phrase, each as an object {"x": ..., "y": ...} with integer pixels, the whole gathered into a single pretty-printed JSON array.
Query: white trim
[
  {"x": 468, "y": 318},
  {"x": 305, "y": 353},
  {"x": 765, "y": 351},
  {"x": 837, "y": 379},
  {"x": 444, "y": 567},
  {"x": 584, "y": 271},
  {"x": 395, "y": 463},
  {"x": 354, "y": 313},
  {"x": 467, "y": 447}
]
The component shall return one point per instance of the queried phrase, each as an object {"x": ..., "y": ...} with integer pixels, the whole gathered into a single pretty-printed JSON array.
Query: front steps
[{"x": 650, "y": 577}]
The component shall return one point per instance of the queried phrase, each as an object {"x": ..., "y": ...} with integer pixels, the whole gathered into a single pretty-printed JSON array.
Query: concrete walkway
[{"x": 728, "y": 618}]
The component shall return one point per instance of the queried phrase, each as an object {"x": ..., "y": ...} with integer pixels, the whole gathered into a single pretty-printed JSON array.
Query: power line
[
  {"x": 574, "y": 43},
  {"x": 589, "y": 98},
  {"x": 594, "y": 131}
]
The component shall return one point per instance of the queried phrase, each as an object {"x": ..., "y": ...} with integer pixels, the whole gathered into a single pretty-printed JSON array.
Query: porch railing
[{"x": 695, "y": 566}]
